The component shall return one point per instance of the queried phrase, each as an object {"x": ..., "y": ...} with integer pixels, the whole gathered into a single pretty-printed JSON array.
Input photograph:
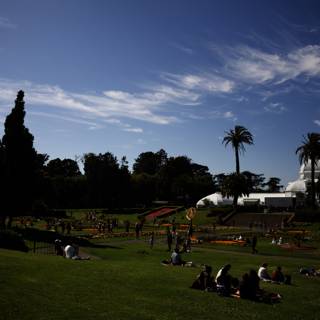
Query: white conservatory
[{"x": 294, "y": 187}]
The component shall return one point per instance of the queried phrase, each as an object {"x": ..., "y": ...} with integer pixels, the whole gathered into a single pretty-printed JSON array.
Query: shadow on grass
[
  {"x": 46, "y": 236},
  {"x": 102, "y": 246}
]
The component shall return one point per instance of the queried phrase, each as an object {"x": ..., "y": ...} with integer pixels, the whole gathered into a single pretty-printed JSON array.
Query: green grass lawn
[{"x": 128, "y": 282}]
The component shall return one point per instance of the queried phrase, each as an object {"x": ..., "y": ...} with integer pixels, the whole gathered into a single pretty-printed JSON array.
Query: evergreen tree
[
  {"x": 273, "y": 185},
  {"x": 20, "y": 161}
]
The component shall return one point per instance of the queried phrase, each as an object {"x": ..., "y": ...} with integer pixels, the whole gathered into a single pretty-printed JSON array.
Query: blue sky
[{"x": 135, "y": 76}]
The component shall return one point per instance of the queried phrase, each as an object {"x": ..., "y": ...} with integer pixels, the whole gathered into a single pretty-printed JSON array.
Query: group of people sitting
[
  {"x": 277, "y": 275},
  {"x": 226, "y": 285}
]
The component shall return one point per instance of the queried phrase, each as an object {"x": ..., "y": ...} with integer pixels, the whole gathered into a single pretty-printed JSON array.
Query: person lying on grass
[
  {"x": 204, "y": 280},
  {"x": 309, "y": 271}
]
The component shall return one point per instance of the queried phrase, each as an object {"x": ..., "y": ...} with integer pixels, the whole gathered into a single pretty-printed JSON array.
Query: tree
[
  {"x": 183, "y": 180},
  {"x": 106, "y": 179},
  {"x": 218, "y": 181},
  {"x": 144, "y": 187},
  {"x": 255, "y": 181},
  {"x": 64, "y": 168},
  {"x": 238, "y": 138},
  {"x": 150, "y": 162},
  {"x": 310, "y": 150},
  {"x": 273, "y": 185},
  {"x": 2, "y": 183},
  {"x": 21, "y": 161},
  {"x": 235, "y": 185}
]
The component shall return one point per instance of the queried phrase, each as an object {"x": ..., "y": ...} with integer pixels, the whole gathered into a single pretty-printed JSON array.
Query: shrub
[
  {"x": 307, "y": 215},
  {"x": 39, "y": 208},
  {"x": 12, "y": 240}
]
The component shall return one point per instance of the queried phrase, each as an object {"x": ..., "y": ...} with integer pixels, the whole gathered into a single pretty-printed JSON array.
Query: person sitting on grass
[
  {"x": 246, "y": 290},
  {"x": 69, "y": 251},
  {"x": 250, "y": 289},
  {"x": 263, "y": 272},
  {"x": 204, "y": 280},
  {"x": 224, "y": 280},
  {"x": 176, "y": 259},
  {"x": 277, "y": 275},
  {"x": 72, "y": 252}
]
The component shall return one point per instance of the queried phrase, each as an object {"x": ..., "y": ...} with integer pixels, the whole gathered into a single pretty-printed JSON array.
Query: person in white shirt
[
  {"x": 263, "y": 272},
  {"x": 176, "y": 258},
  {"x": 69, "y": 251}
]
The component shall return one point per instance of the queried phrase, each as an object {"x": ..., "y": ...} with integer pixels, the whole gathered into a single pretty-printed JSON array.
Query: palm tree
[
  {"x": 310, "y": 150},
  {"x": 237, "y": 138}
]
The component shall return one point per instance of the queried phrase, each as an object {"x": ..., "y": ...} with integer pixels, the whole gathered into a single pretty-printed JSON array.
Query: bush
[
  {"x": 57, "y": 213},
  {"x": 39, "y": 209},
  {"x": 307, "y": 215},
  {"x": 12, "y": 240}
]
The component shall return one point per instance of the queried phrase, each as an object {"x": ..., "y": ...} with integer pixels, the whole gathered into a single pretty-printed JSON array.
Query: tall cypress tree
[
  {"x": 2, "y": 185},
  {"x": 20, "y": 161}
]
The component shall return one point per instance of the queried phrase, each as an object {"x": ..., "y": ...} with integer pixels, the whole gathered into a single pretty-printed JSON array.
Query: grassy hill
[{"x": 127, "y": 281}]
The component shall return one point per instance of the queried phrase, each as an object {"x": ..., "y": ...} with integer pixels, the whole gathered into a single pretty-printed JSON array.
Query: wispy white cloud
[
  {"x": 153, "y": 104},
  {"x": 7, "y": 24},
  {"x": 258, "y": 67},
  {"x": 91, "y": 125},
  {"x": 109, "y": 106},
  {"x": 135, "y": 130},
  {"x": 275, "y": 107},
  {"x": 317, "y": 122},
  {"x": 141, "y": 141},
  {"x": 229, "y": 115},
  {"x": 211, "y": 83},
  {"x": 241, "y": 99},
  {"x": 192, "y": 116},
  {"x": 183, "y": 48}
]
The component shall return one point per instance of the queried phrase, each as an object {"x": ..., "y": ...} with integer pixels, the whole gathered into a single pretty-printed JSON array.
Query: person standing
[
  {"x": 68, "y": 227},
  {"x": 169, "y": 238},
  {"x": 151, "y": 240},
  {"x": 127, "y": 224},
  {"x": 137, "y": 229},
  {"x": 254, "y": 244}
]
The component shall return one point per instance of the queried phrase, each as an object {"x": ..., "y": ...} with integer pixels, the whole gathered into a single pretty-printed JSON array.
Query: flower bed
[
  {"x": 229, "y": 242},
  {"x": 299, "y": 232}
]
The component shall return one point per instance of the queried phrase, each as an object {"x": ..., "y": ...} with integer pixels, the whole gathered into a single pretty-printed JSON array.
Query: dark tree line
[{"x": 30, "y": 182}]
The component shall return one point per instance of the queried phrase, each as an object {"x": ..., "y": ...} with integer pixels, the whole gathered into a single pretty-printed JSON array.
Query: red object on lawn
[{"x": 160, "y": 212}]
